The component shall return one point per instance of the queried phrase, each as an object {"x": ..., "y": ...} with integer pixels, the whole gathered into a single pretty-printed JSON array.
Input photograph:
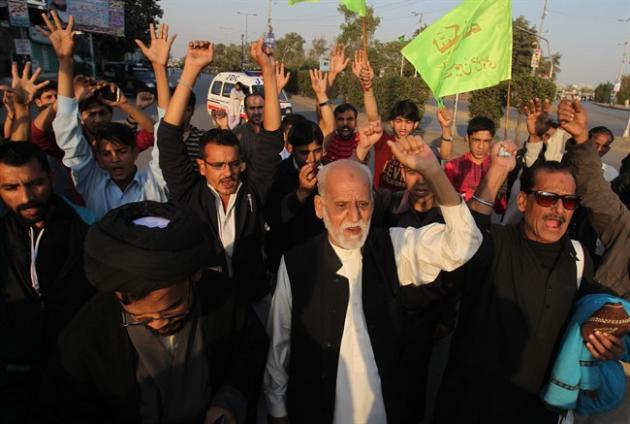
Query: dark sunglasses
[{"x": 547, "y": 199}]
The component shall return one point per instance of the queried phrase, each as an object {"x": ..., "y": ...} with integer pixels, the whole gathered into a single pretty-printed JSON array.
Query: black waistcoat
[{"x": 320, "y": 299}]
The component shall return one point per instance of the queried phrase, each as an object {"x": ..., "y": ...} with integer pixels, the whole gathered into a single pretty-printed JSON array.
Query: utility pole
[
  {"x": 247, "y": 15},
  {"x": 624, "y": 59},
  {"x": 416, "y": 14},
  {"x": 540, "y": 28}
]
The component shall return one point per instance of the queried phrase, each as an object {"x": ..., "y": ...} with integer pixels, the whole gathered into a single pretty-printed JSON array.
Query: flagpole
[
  {"x": 507, "y": 110},
  {"x": 365, "y": 37}
]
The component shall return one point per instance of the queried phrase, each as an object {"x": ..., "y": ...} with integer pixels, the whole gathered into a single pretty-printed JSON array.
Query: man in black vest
[
  {"x": 518, "y": 294},
  {"x": 336, "y": 320},
  {"x": 42, "y": 284}
]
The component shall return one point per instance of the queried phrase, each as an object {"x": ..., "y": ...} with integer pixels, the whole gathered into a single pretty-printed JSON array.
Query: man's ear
[
  {"x": 521, "y": 201},
  {"x": 202, "y": 169},
  {"x": 319, "y": 206}
]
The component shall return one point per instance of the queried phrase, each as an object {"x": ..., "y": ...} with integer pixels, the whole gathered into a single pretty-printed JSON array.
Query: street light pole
[
  {"x": 247, "y": 15},
  {"x": 540, "y": 28},
  {"x": 548, "y": 49}
]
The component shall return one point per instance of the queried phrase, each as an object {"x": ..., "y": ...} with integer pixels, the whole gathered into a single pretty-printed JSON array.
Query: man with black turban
[{"x": 159, "y": 343}]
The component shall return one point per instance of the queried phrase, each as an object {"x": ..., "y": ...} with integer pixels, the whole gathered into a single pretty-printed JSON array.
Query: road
[{"x": 597, "y": 115}]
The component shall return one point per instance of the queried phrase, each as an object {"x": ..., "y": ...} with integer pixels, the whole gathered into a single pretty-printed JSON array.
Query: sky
[{"x": 589, "y": 34}]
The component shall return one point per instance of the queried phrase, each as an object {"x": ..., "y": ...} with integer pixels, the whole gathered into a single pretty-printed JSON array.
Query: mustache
[
  {"x": 227, "y": 179},
  {"x": 29, "y": 205},
  {"x": 362, "y": 225},
  {"x": 555, "y": 216}
]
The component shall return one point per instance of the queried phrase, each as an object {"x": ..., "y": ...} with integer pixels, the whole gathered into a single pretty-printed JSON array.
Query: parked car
[
  {"x": 130, "y": 77},
  {"x": 251, "y": 81}
]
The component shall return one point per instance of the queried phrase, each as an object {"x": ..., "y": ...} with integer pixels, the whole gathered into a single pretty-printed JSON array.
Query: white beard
[{"x": 338, "y": 236}]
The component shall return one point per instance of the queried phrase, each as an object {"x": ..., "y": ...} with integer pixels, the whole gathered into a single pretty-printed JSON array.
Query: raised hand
[
  {"x": 158, "y": 51},
  {"x": 445, "y": 118},
  {"x": 61, "y": 39},
  {"x": 533, "y": 110},
  {"x": 413, "y": 153},
  {"x": 362, "y": 69},
  {"x": 338, "y": 59},
  {"x": 281, "y": 78},
  {"x": 573, "y": 119},
  {"x": 308, "y": 178},
  {"x": 120, "y": 101},
  {"x": 144, "y": 99},
  {"x": 262, "y": 58},
  {"x": 8, "y": 101},
  {"x": 318, "y": 82},
  {"x": 369, "y": 134},
  {"x": 23, "y": 87},
  {"x": 507, "y": 162},
  {"x": 200, "y": 54}
]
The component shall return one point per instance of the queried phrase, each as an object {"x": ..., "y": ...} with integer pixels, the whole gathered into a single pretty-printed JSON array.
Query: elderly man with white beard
[{"x": 338, "y": 312}]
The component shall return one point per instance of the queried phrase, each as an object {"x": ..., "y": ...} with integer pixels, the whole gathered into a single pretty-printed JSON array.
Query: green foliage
[
  {"x": 603, "y": 92},
  {"x": 318, "y": 49},
  {"x": 388, "y": 90},
  {"x": 290, "y": 49},
  {"x": 138, "y": 15},
  {"x": 526, "y": 88},
  {"x": 624, "y": 92},
  {"x": 226, "y": 57},
  {"x": 489, "y": 102},
  {"x": 522, "y": 46},
  {"x": 352, "y": 27}
]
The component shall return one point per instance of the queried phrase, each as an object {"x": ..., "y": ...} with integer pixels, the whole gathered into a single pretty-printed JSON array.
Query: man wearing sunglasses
[
  {"x": 231, "y": 210},
  {"x": 518, "y": 294},
  {"x": 159, "y": 343}
]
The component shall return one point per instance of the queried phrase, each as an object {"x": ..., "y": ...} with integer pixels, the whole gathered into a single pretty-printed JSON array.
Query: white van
[{"x": 251, "y": 81}]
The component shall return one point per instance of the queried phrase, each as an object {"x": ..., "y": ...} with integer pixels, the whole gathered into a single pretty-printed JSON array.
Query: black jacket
[
  {"x": 291, "y": 222},
  {"x": 189, "y": 187},
  {"x": 93, "y": 377},
  {"x": 30, "y": 323}
]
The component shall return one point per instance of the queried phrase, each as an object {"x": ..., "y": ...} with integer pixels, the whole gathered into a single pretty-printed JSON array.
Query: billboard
[
  {"x": 18, "y": 13},
  {"x": 101, "y": 16}
]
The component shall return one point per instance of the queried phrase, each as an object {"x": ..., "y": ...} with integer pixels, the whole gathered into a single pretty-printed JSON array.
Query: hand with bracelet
[
  {"x": 500, "y": 166},
  {"x": 445, "y": 118}
]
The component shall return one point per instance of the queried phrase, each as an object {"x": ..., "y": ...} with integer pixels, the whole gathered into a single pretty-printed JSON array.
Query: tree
[
  {"x": 226, "y": 57},
  {"x": 290, "y": 49},
  {"x": 543, "y": 69},
  {"x": 624, "y": 92},
  {"x": 523, "y": 44},
  {"x": 138, "y": 15},
  {"x": 352, "y": 27},
  {"x": 318, "y": 49},
  {"x": 603, "y": 92}
]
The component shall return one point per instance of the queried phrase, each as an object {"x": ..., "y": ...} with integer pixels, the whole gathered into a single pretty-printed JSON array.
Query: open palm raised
[
  {"x": 61, "y": 39},
  {"x": 200, "y": 54}
]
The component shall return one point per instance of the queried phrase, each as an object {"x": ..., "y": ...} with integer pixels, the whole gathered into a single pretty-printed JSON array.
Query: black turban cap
[{"x": 133, "y": 258}]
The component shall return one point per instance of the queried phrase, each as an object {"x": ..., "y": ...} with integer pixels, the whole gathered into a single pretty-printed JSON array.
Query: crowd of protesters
[{"x": 264, "y": 272}]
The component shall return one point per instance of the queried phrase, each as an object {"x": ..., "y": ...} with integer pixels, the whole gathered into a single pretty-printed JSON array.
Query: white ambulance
[{"x": 251, "y": 81}]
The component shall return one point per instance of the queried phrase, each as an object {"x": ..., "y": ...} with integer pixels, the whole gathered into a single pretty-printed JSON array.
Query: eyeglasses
[
  {"x": 219, "y": 166},
  {"x": 131, "y": 320},
  {"x": 547, "y": 199}
]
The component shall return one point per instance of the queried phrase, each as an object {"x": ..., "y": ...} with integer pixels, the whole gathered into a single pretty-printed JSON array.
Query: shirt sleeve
[
  {"x": 154, "y": 163},
  {"x": 77, "y": 151},
  {"x": 144, "y": 139},
  {"x": 46, "y": 142},
  {"x": 421, "y": 253},
  {"x": 279, "y": 329}
]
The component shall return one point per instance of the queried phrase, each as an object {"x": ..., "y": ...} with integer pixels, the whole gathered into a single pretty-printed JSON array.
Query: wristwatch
[
  {"x": 447, "y": 138},
  {"x": 322, "y": 104}
]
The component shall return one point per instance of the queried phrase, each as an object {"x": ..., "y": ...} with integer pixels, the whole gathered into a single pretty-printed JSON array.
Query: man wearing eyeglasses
[
  {"x": 518, "y": 294},
  {"x": 231, "y": 210},
  {"x": 159, "y": 343}
]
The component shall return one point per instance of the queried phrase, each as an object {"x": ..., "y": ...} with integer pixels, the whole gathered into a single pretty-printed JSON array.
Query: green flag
[
  {"x": 292, "y": 2},
  {"x": 467, "y": 49},
  {"x": 356, "y": 6}
]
